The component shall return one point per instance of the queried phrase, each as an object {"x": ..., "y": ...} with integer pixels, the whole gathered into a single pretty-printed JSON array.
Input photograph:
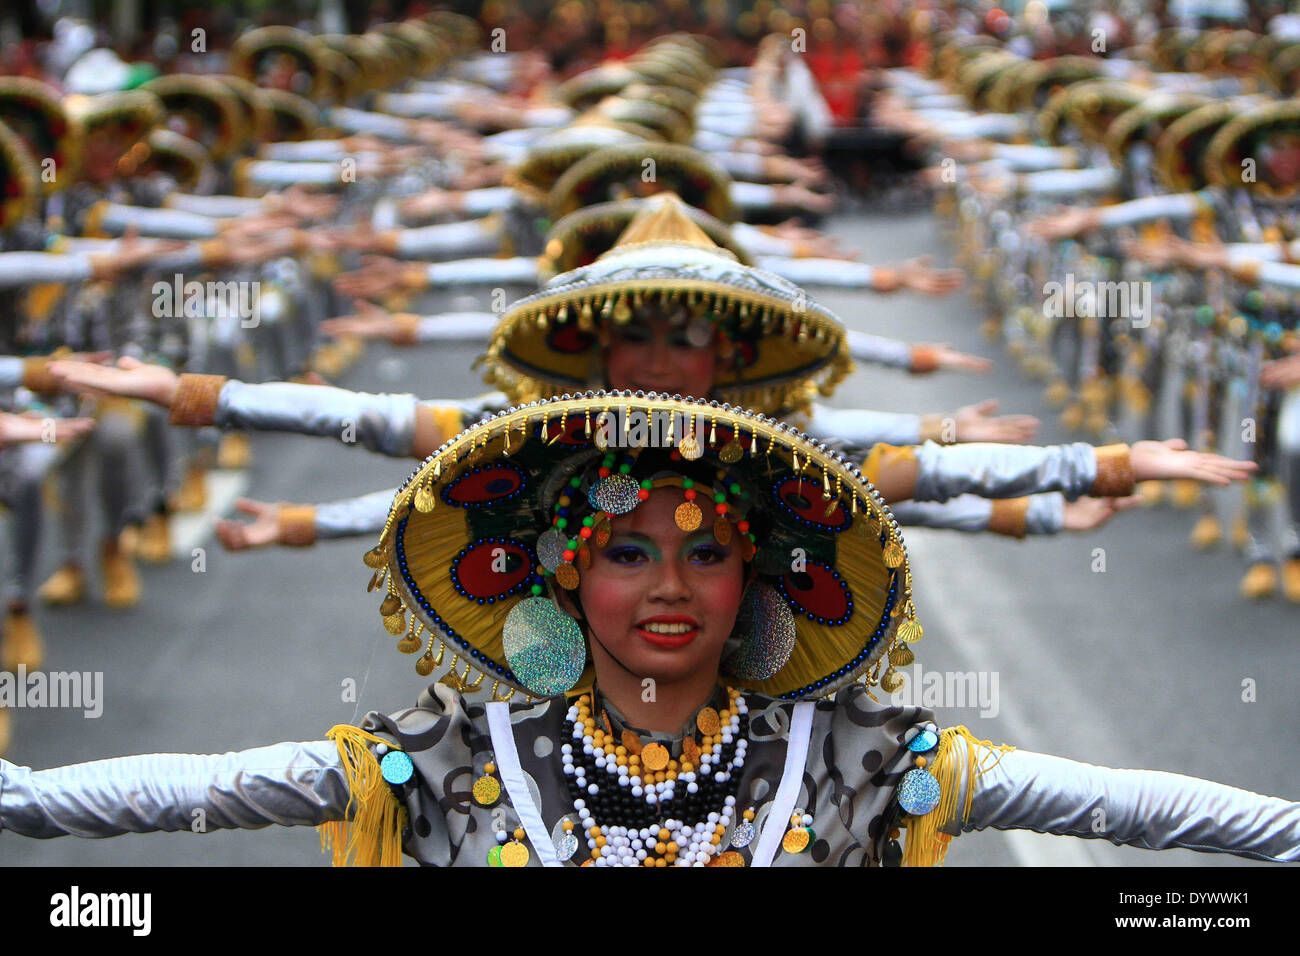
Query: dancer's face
[
  {"x": 661, "y": 602},
  {"x": 658, "y": 355}
]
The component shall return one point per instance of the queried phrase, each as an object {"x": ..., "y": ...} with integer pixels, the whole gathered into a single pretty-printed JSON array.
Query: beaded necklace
[{"x": 672, "y": 812}]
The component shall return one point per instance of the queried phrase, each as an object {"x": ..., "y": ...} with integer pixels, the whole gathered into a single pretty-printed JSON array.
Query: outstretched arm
[
  {"x": 937, "y": 473},
  {"x": 290, "y": 784},
  {"x": 1151, "y": 809},
  {"x": 303, "y": 525},
  {"x": 396, "y": 425}
]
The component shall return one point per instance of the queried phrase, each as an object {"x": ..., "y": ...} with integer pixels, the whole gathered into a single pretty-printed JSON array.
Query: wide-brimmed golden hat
[
  {"x": 583, "y": 236},
  {"x": 776, "y": 347},
  {"x": 591, "y": 86},
  {"x": 259, "y": 54},
  {"x": 667, "y": 123},
  {"x": 642, "y": 169},
  {"x": 203, "y": 109},
  {"x": 34, "y": 111},
  {"x": 1147, "y": 121},
  {"x": 124, "y": 118},
  {"x": 1029, "y": 85},
  {"x": 293, "y": 117},
  {"x": 1239, "y": 153},
  {"x": 978, "y": 74},
  {"x": 1087, "y": 107},
  {"x": 510, "y": 508},
  {"x": 185, "y": 161},
  {"x": 1180, "y": 150},
  {"x": 254, "y": 108},
  {"x": 19, "y": 179},
  {"x": 553, "y": 154}
]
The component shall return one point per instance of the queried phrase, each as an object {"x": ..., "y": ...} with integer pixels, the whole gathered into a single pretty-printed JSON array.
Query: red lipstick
[{"x": 669, "y": 641}]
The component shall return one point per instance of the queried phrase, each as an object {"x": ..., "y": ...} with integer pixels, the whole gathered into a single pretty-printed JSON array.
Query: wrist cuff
[
  {"x": 297, "y": 526},
  {"x": 935, "y": 428},
  {"x": 36, "y": 375},
  {"x": 195, "y": 403},
  {"x": 1009, "y": 516},
  {"x": 1114, "y": 472},
  {"x": 406, "y": 330},
  {"x": 924, "y": 359}
]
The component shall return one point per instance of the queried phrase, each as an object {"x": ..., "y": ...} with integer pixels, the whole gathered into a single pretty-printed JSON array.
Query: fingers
[
  {"x": 251, "y": 506},
  {"x": 231, "y": 535},
  {"x": 986, "y": 407}
]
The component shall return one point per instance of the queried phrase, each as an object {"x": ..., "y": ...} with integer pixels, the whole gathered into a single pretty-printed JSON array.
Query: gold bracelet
[
  {"x": 36, "y": 375},
  {"x": 297, "y": 525},
  {"x": 1114, "y": 472},
  {"x": 408, "y": 327},
  {"x": 925, "y": 358},
  {"x": 195, "y": 403},
  {"x": 1009, "y": 516}
]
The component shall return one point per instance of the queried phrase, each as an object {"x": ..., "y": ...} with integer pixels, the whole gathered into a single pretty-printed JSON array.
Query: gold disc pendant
[
  {"x": 796, "y": 840},
  {"x": 688, "y": 516},
  {"x": 730, "y": 858},
  {"x": 514, "y": 853},
  {"x": 654, "y": 756},
  {"x": 708, "y": 722},
  {"x": 487, "y": 788},
  {"x": 722, "y": 530},
  {"x": 567, "y": 575},
  {"x": 732, "y": 452}
]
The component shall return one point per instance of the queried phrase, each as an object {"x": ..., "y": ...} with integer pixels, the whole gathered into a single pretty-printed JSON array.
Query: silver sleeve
[
  {"x": 377, "y": 124},
  {"x": 165, "y": 223},
  {"x": 752, "y": 197},
  {"x": 472, "y": 327},
  {"x": 809, "y": 270},
  {"x": 12, "y": 370},
  {"x": 219, "y": 206},
  {"x": 31, "y": 268},
  {"x": 474, "y": 237},
  {"x": 963, "y": 513},
  {"x": 1281, "y": 274},
  {"x": 879, "y": 349},
  {"x": 1003, "y": 471},
  {"x": 274, "y": 174},
  {"x": 383, "y": 423},
  {"x": 1151, "y": 809},
  {"x": 1046, "y": 514},
  {"x": 862, "y": 426},
  {"x": 310, "y": 150},
  {"x": 483, "y": 271},
  {"x": 354, "y": 517},
  {"x": 290, "y": 784}
]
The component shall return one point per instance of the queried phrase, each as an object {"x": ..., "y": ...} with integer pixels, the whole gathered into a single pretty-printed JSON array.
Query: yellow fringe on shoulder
[
  {"x": 372, "y": 835},
  {"x": 926, "y": 845}
]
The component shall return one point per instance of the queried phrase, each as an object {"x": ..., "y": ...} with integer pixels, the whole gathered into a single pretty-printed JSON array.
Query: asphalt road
[{"x": 1142, "y": 665}]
